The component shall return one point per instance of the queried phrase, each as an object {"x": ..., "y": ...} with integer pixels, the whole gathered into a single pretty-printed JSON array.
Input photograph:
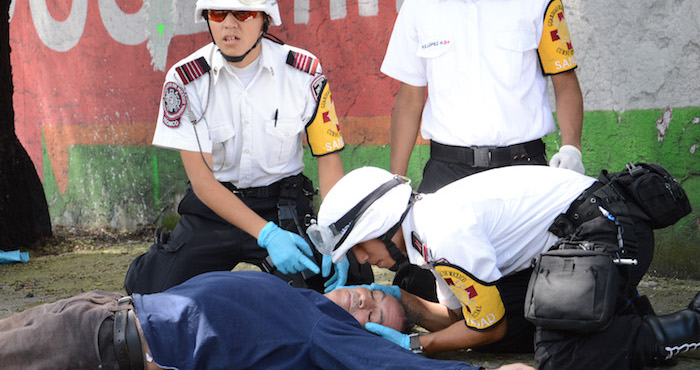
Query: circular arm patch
[{"x": 174, "y": 104}]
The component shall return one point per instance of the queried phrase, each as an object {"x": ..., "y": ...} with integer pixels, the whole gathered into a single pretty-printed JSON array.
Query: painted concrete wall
[{"x": 88, "y": 76}]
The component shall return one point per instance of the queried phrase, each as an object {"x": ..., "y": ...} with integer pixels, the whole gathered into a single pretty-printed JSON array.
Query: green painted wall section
[
  {"x": 128, "y": 186},
  {"x": 122, "y": 187}
]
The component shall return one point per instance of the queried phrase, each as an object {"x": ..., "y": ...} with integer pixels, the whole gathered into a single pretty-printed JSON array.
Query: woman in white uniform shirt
[{"x": 236, "y": 110}]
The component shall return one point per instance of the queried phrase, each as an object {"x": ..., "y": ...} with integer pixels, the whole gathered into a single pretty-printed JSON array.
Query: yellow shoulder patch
[
  {"x": 556, "y": 51},
  {"x": 481, "y": 302},
  {"x": 323, "y": 131}
]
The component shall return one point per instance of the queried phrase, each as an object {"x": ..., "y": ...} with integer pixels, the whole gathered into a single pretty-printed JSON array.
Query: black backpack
[{"x": 654, "y": 189}]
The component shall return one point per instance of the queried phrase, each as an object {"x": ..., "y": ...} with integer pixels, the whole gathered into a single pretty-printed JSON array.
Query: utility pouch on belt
[
  {"x": 650, "y": 185},
  {"x": 292, "y": 191},
  {"x": 573, "y": 288}
]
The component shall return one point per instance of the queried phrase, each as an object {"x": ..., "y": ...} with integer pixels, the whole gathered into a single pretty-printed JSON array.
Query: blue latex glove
[
  {"x": 285, "y": 249},
  {"x": 341, "y": 272},
  {"x": 392, "y": 290},
  {"x": 14, "y": 256},
  {"x": 390, "y": 334}
]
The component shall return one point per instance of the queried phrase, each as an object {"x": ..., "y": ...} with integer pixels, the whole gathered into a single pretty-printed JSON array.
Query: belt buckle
[
  {"x": 235, "y": 188},
  {"x": 482, "y": 157}
]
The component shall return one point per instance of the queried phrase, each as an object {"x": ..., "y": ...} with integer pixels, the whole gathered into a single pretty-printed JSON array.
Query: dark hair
[{"x": 411, "y": 318}]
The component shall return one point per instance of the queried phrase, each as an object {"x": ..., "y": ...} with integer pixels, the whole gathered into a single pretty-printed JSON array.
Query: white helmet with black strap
[
  {"x": 365, "y": 204},
  {"x": 269, "y": 7}
]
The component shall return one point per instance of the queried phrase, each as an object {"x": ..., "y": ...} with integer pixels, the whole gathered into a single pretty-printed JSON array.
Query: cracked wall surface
[{"x": 636, "y": 54}]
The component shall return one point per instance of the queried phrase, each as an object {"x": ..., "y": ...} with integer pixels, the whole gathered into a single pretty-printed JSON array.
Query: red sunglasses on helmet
[{"x": 241, "y": 16}]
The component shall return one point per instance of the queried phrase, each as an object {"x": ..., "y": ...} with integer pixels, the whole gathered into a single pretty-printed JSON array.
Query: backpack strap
[{"x": 614, "y": 202}]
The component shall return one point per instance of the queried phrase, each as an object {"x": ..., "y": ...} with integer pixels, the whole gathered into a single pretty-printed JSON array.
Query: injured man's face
[{"x": 370, "y": 306}]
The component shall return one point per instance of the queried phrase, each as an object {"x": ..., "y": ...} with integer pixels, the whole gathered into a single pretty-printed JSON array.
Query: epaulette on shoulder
[
  {"x": 302, "y": 62},
  {"x": 192, "y": 70}
]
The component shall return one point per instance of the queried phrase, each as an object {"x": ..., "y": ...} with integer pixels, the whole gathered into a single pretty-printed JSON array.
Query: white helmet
[
  {"x": 268, "y": 6},
  {"x": 354, "y": 192}
]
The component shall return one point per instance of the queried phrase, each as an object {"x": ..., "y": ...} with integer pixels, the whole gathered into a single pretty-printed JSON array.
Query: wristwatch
[{"x": 414, "y": 342}]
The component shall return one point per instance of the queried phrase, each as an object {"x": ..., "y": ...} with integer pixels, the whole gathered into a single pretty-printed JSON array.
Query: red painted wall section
[
  {"x": 103, "y": 92},
  {"x": 351, "y": 51}
]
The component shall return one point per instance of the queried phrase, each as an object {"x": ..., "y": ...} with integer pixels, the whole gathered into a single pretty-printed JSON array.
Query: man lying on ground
[{"x": 216, "y": 320}]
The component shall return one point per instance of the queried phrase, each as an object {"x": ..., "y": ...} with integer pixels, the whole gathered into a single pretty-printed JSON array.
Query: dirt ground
[{"x": 76, "y": 261}]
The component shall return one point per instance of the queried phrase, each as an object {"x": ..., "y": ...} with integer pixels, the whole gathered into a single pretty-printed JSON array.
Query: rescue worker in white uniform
[
  {"x": 478, "y": 236},
  {"x": 237, "y": 111},
  {"x": 483, "y": 66}
]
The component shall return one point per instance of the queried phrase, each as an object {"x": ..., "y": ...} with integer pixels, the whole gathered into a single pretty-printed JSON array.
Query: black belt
[
  {"x": 270, "y": 191},
  {"x": 579, "y": 211},
  {"x": 586, "y": 207},
  {"x": 487, "y": 156},
  {"x": 127, "y": 342}
]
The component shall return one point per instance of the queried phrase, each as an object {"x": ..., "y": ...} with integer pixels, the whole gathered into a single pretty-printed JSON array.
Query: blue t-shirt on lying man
[{"x": 250, "y": 319}]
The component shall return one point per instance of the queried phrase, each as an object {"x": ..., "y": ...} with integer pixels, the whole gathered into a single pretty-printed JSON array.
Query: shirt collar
[{"x": 219, "y": 63}]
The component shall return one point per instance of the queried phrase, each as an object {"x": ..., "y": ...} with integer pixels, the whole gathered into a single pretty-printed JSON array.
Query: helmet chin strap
[
  {"x": 240, "y": 58},
  {"x": 237, "y": 59},
  {"x": 394, "y": 251}
]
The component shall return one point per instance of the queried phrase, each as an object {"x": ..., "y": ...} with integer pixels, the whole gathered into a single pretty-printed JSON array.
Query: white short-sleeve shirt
[
  {"x": 253, "y": 132},
  {"x": 480, "y": 62},
  {"x": 490, "y": 224}
]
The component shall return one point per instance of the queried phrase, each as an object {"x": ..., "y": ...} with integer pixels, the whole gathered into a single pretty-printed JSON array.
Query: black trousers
[
  {"x": 622, "y": 344},
  {"x": 202, "y": 242}
]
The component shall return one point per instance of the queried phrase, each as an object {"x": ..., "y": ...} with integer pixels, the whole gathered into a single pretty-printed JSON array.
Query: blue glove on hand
[
  {"x": 285, "y": 249},
  {"x": 387, "y": 333},
  {"x": 341, "y": 272},
  {"x": 392, "y": 290}
]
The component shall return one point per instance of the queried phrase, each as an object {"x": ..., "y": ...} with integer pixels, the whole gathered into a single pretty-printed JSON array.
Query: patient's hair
[{"x": 411, "y": 318}]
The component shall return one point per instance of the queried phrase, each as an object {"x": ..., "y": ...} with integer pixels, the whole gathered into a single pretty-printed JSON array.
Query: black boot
[{"x": 675, "y": 333}]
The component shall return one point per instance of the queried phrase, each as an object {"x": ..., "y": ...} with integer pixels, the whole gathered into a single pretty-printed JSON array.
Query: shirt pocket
[
  {"x": 511, "y": 51},
  {"x": 439, "y": 55},
  {"x": 434, "y": 47},
  {"x": 222, "y": 145},
  {"x": 283, "y": 141},
  {"x": 435, "y": 42}
]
